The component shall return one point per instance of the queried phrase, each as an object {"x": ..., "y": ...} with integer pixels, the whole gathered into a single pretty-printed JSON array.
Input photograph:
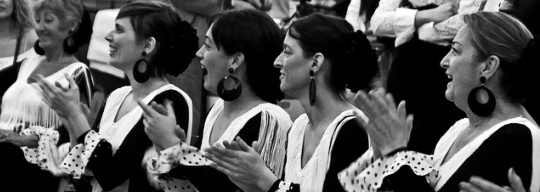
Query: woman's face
[
  {"x": 294, "y": 68},
  {"x": 50, "y": 31},
  {"x": 462, "y": 68},
  {"x": 6, "y": 9},
  {"x": 123, "y": 47},
  {"x": 214, "y": 61}
]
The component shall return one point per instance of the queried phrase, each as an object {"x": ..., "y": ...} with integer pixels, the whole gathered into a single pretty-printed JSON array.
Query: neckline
[
  {"x": 341, "y": 116},
  {"x": 134, "y": 108},
  {"x": 234, "y": 121},
  {"x": 479, "y": 136}
]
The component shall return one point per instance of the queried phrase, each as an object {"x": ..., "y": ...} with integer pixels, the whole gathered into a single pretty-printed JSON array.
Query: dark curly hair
[
  {"x": 353, "y": 62},
  {"x": 258, "y": 37},
  {"x": 177, "y": 41}
]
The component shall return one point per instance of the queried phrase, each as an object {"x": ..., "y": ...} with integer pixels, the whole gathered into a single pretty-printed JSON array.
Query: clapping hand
[
  {"x": 160, "y": 124},
  {"x": 64, "y": 101},
  {"x": 389, "y": 127},
  {"x": 477, "y": 184},
  {"x": 241, "y": 162}
]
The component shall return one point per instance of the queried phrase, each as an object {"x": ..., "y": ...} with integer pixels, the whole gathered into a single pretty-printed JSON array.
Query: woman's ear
[
  {"x": 490, "y": 66},
  {"x": 318, "y": 60},
  {"x": 237, "y": 60},
  {"x": 149, "y": 44}
]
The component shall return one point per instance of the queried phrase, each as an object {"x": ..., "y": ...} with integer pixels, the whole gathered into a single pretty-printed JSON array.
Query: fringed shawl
[
  {"x": 22, "y": 103},
  {"x": 275, "y": 123}
]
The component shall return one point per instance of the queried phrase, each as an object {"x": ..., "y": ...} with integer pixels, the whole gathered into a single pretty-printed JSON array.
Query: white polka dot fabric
[
  {"x": 168, "y": 159},
  {"x": 365, "y": 176},
  {"x": 47, "y": 154},
  {"x": 77, "y": 159}
]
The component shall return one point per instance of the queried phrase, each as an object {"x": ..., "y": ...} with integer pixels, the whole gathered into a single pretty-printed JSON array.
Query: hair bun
[
  {"x": 186, "y": 43},
  {"x": 361, "y": 60}
]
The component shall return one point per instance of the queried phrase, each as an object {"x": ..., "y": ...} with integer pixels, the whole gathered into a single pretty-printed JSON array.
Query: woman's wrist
[
  {"x": 267, "y": 180},
  {"x": 392, "y": 151},
  {"x": 167, "y": 142}
]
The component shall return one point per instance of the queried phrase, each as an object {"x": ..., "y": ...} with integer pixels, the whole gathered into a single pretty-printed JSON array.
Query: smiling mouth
[{"x": 112, "y": 49}]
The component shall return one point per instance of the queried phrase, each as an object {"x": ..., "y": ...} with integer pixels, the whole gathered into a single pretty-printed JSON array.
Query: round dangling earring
[
  {"x": 38, "y": 49},
  {"x": 312, "y": 88},
  {"x": 229, "y": 94},
  {"x": 478, "y": 108},
  {"x": 141, "y": 70},
  {"x": 69, "y": 43}
]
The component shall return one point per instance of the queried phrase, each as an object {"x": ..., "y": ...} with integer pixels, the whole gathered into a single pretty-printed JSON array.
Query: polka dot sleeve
[
  {"x": 360, "y": 176},
  {"x": 282, "y": 186},
  {"x": 47, "y": 154},
  {"x": 79, "y": 156},
  {"x": 166, "y": 160}
]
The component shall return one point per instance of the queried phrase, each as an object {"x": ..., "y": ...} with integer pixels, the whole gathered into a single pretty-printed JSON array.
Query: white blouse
[{"x": 390, "y": 20}]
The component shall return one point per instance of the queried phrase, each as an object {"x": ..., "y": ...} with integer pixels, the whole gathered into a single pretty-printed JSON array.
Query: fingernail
[{"x": 512, "y": 171}]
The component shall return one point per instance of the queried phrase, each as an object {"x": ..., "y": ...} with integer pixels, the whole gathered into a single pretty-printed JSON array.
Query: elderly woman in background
[
  {"x": 322, "y": 57},
  {"x": 490, "y": 66},
  {"x": 26, "y": 121},
  {"x": 17, "y": 33},
  {"x": 149, "y": 42}
]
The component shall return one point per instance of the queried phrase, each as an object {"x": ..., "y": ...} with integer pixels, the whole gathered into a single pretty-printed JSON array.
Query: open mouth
[
  {"x": 204, "y": 71},
  {"x": 112, "y": 49}
]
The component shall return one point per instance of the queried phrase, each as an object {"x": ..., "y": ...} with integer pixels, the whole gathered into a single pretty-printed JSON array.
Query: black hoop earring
[
  {"x": 141, "y": 75},
  {"x": 69, "y": 44},
  {"x": 481, "y": 109},
  {"x": 312, "y": 88},
  {"x": 38, "y": 49},
  {"x": 229, "y": 94}
]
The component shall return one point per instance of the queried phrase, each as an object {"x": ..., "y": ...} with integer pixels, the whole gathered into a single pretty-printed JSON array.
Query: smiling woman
[
  {"x": 149, "y": 41},
  {"x": 492, "y": 60}
]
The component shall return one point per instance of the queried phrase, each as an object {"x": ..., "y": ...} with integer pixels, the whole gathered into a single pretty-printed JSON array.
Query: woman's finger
[
  {"x": 158, "y": 108},
  {"x": 71, "y": 81},
  {"x": 58, "y": 85},
  {"x": 242, "y": 145},
  {"x": 147, "y": 110},
  {"x": 465, "y": 186},
  {"x": 515, "y": 181},
  {"x": 363, "y": 102},
  {"x": 180, "y": 133},
  {"x": 169, "y": 106},
  {"x": 390, "y": 101},
  {"x": 484, "y": 185}
]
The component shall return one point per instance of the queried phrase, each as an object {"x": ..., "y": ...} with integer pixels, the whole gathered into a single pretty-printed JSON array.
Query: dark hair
[
  {"x": 177, "y": 41},
  {"x": 258, "y": 37},
  {"x": 70, "y": 11},
  {"x": 353, "y": 62}
]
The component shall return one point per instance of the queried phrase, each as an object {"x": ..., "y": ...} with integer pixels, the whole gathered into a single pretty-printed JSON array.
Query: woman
[
  {"x": 146, "y": 38},
  {"x": 492, "y": 58},
  {"x": 322, "y": 56},
  {"x": 237, "y": 55},
  {"x": 26, "y": 121},
  {"x": 17, "y": 34},
  {"x": 423, "y": 30}
]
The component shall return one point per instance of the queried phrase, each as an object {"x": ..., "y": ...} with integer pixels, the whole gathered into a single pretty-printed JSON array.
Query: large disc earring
[
  {"x": 38, "y": 49},
  {"x": 312, "y": 88},
  {"x": 482, "y": 109},
  {"x": 141, "y": 70},
  {"x": 69, "y": 44},
  {"x": 229, "y": 94}
]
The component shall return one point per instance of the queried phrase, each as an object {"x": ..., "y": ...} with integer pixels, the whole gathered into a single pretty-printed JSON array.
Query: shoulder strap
[{"x": 18, "y": 45}]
